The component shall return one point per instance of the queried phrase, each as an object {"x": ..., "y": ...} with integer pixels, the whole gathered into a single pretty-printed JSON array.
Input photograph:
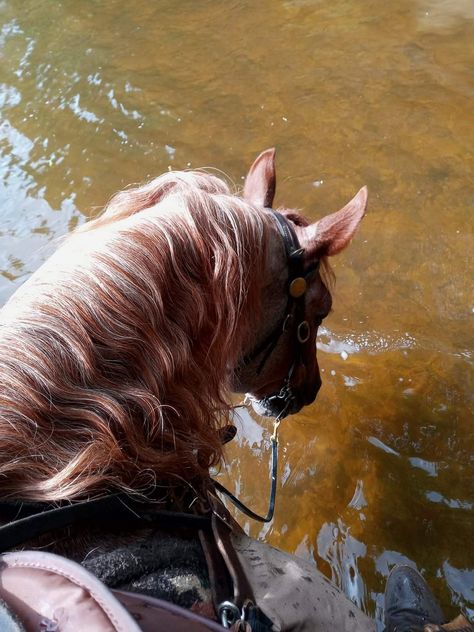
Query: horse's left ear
[
  {"x": 333, "y": 233},
  {"x": 260, "y": 183}
]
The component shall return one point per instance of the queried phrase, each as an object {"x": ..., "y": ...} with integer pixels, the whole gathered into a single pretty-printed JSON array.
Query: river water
[{"x": 95, "y": 95}]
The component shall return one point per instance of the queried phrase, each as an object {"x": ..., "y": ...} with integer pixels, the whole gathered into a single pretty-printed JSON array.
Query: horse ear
[
  {"x": 260, "y": 182},
  {"x": 333, "y": 233}
]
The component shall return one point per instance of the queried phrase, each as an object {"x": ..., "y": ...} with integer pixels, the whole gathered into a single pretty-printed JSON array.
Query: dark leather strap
[
  {"x": 295, "y": 307},
  {"x": 156, "y": 615},
  {"x": 271, "y": 505},
  {"x": 27, "y": 521},
  {"x": 221, "y": 523},
  {"x": 219, "y": 578}
]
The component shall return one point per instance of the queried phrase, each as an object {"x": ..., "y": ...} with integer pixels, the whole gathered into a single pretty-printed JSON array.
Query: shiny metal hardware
[
  {"x": 287, "y": 322},
  {"x": 228, "y": 613},
  {"x": 297, "y": 287},
  {"x": 303, "y": 332}
]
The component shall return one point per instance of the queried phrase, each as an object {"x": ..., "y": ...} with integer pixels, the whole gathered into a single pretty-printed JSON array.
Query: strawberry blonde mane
[{"x": 115, "y": 357}]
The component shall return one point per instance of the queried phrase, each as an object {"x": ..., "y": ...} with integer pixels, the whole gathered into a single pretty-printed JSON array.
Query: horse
[{"x": 118, "y": 355}]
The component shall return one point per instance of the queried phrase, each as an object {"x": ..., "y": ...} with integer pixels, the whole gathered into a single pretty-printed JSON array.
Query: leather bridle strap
[
  {"x": 27, "y": 521},
  {"x": 294, "y": 314},
  {"x": 233, "y": 596}
]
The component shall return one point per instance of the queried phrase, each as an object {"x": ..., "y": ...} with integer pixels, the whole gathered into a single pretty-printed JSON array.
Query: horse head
[
  {"x": 279, "y": 368},
  {"x": 117, "y": 355}
]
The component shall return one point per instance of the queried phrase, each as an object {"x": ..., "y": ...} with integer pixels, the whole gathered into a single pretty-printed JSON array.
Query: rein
[
  {"x": 271, "y": 504},
  {"x": 27, "y": 521}
]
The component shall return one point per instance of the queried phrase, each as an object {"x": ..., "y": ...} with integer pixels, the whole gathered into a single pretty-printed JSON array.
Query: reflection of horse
[{"x": 116, "y": 357}]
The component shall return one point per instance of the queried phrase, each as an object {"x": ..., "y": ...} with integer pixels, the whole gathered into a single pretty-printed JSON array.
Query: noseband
[{"x": 294, "y": 317}]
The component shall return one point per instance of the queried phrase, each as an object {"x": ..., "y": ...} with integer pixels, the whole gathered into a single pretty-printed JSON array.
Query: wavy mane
[{"x": 114, "y": 359}]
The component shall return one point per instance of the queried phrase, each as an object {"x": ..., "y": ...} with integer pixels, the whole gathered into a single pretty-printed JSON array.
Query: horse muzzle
[
  {"x": 288, "y": 401},
  {"x": 273, "y": 406}
]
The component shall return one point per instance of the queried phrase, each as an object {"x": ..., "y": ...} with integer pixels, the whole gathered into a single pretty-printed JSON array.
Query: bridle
[
  {"x": 294, "y": 317},
  {"x": 294, "y": 321}
]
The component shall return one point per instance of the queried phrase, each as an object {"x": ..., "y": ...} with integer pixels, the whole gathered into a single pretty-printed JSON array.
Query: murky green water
[{"x": 95, "y": 95}]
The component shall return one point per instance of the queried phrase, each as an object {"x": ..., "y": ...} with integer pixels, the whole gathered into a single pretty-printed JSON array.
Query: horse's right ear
[
  {"x": 260, "y": 183},
  {"x": 332, "y": 233}
]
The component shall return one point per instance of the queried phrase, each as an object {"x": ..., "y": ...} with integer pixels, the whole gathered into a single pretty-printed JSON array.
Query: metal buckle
[{"x": 228, "y": 613}]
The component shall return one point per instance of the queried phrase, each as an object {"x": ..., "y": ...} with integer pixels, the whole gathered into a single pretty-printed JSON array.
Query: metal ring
[
  {"x": 228, "y": 613},
  {"x": 303, "y": 332}
]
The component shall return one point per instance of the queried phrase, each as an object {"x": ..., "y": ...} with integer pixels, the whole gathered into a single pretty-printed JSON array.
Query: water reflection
[
  {"x": 454, "y": 503},
  {"x": 341, "y": 551},
  {"x": 461, "y": 584},
  {"x": 340, "y": 547},
  {"x": 443, "y": 15},
  {"x": 28, "y": 223}
]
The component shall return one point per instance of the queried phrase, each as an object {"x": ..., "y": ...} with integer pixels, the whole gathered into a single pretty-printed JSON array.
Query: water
[{"x": 96, "y": 95}]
